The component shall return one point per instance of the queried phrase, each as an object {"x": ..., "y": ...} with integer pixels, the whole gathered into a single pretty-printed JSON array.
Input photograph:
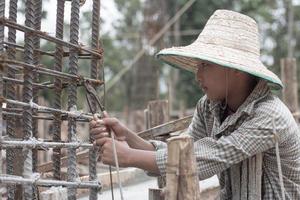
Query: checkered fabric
[{"x": 221, "y": 145}]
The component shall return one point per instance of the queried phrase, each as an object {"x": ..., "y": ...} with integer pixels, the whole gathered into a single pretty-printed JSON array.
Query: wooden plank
[
  {"x": 166, "y": 128},
  {"x": 47, "y": 167},
  {"x": 156, "y": 194}
]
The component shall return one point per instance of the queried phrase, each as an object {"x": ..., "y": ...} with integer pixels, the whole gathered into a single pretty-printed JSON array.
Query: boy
[{"x": 236, "y": 120}]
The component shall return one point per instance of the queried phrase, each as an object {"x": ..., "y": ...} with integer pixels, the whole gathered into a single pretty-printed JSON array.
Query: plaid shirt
[{"x": 221, "y": 146}]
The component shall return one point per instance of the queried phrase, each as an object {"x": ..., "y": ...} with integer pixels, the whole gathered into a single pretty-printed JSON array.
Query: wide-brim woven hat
[{"x": 229, "y": 39}]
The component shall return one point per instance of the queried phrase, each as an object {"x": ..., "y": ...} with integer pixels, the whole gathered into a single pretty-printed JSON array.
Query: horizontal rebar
[
  {"x": 21, "y": 82},
  {"x": 37, "y": 85},
  {"x": 33, "y": 143},
  {"x": 73, "y": 114},
  {"x": 42, "y": 70},
  {"x": 20, "y": 48},
  {"x": 63, "y": 117},
  {"x": 45, "y": 36},
  {"x": 48, "y": 183}
]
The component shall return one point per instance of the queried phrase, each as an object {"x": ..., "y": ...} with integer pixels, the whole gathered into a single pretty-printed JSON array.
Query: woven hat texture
[{"x": 229, "y": 39}]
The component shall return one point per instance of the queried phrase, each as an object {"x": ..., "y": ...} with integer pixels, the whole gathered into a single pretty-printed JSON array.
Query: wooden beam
[{"x": 166, "y": 128}]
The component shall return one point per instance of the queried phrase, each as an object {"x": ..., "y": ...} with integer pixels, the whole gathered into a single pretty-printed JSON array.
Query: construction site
[{"x": 47, "y": 151}]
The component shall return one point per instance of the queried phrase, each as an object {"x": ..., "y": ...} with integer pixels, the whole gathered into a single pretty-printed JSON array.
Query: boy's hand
[
  {"x": 106, "y": 152},
  {"x": 99, "y": 128}
]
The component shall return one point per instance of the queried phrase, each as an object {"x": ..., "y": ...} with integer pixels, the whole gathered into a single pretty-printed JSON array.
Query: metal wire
[
  {"x": 72, "y": 94},
  {"x": 58, "y": 87}
]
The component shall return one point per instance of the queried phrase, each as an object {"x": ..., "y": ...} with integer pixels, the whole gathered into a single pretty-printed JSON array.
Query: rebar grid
[{"x": 31, "y": 110}]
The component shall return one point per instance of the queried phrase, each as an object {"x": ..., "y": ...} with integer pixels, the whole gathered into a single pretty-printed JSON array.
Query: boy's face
[{"x": 212, "y": 80}]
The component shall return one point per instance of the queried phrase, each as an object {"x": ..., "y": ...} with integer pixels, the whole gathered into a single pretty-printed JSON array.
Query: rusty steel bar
[
  {"x": 47, "y": 183},
  {"x": 20, "y": 48},
  {"x": 27, "y": 96},
  {"x": 51, "y": 118},
  {"x": 58, "y": 62},
  {"x": 11, "y": 94},
  {"x": 95, "y": 75},
  {"x": 33, "y": 143},
  {"x": 42, "y": 70},
  {"x": 2, "y": 14},
  {"x": 38, "y": 4},
  {"x": 71, "y": 114},
  {"x": 45, "y": 36},
  {"x": 72, "y": 95}
]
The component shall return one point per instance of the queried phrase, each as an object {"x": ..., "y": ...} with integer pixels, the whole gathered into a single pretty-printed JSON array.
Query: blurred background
[{"x": 128, "y": 26}]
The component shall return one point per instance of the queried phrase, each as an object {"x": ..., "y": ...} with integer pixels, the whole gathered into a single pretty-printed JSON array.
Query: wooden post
[
  {"x": 289, "y": 79},
  {"x": 157, "y": 113},
  {"x": 182, "y": 176}
]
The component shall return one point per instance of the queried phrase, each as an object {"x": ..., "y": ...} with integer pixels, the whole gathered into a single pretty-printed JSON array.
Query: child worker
[{"x": 237, "y": 119}]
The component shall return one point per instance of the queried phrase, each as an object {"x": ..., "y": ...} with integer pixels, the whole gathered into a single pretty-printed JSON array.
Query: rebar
[
  {"x": 33, "y": 143},
  {"x": 20, "y": 48},
  {"x": 28, "y": 95},
  {"x": 45, "y": 36},
  {"x": 71, "y": 114},
  {"x": 72, "y": 94},
  {"x": 58, "y": 87},
  {"x": 29, "y": 110},
  {"x": 2, "y": 13},
  {"x": 95, "y": 75},
  {"x": 47, "y": 183},
  {"x": 42, "y": 70},
  {"x": 38, "y": 4}
]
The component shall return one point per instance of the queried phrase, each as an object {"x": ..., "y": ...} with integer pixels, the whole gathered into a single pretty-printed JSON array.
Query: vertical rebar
[
  {"x": 11, "y": 94},
  {"x": 72, "y": 94},
  {"x": 58, "y": 87},
  {"x": 36, "y": 59},
  {"x": 38, "y": 5},
  {"x": 2, "y": 14},
  {"x": 27, "y": 95},
  {"x": 94, "y": 74}
]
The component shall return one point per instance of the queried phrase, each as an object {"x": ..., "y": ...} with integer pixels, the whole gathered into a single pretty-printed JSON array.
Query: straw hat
[{"x": 229, "y": 39}]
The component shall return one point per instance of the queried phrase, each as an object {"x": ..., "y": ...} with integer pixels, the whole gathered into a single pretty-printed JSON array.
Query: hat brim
[{"x": 188, "y": 57}]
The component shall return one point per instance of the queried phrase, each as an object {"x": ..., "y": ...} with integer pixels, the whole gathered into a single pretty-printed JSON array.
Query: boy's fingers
[{"x": 105, "y": 114}]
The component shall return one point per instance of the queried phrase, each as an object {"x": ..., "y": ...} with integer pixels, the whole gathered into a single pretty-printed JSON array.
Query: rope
[
  {"x": 276, "y": 137},
  {"x": 117, "y": 165}
]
